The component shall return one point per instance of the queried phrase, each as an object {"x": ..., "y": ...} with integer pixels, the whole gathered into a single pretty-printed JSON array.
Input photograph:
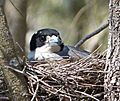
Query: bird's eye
[{"x": 42, "y": 38}]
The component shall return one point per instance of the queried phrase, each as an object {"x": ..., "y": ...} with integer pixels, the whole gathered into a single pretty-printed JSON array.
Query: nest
[{"x": 66, "y": 80}]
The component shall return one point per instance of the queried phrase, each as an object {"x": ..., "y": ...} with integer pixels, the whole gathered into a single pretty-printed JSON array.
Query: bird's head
[{"x": 46, "y": 40}]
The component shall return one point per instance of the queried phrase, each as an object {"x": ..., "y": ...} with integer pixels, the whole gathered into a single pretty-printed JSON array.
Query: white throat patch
[{"x": 48, "y": 48}]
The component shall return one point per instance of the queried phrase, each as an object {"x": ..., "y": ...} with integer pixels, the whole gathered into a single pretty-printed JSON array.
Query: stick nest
[{"x": 66, "y": 80}]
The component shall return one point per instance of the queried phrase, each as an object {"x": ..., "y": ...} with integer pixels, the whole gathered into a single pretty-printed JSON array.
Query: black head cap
[{"x": 38, "y": 39}]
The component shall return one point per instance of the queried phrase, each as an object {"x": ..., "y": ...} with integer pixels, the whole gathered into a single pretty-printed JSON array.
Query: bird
[{"x": 46, "y": 44}]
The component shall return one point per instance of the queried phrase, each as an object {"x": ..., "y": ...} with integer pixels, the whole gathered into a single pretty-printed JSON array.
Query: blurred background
[{"x": 73, "y": 18}]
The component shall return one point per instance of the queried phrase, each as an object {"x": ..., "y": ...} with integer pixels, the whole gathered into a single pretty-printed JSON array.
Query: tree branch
[{"x": 91, "y": 35}]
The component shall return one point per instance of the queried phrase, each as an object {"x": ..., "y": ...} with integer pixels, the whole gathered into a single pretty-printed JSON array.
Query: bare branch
[
  {"x": 17, "y": 9},
  {"x": 91, "y": 35}
]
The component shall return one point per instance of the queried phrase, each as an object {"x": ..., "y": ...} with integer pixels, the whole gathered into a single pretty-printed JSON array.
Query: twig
[
  {"x": 59, "y": 91},
  {"x": 90, "y": 85},
  {"x": 31, "y": 89},
  {"x": 16, "y": 70},
  {"x": 99, "y": 94},
  {"x": 19, "y": 47},
  {"x": 64, "y": 97},
  {"x": 87, "y": 95},
  {"x": 1, "y": 92},
  {"x": 17, "y": 9},
  {"x": 4, "y": 98},
  {"x": 91, "y": 35},
  {"x": 96, "y": 49},
  {"x": 91, "y": 71},
  {"x": 36, "y": 90}
]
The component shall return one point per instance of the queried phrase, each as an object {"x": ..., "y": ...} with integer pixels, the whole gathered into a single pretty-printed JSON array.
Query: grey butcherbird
[{"x": 47, "y": 44}]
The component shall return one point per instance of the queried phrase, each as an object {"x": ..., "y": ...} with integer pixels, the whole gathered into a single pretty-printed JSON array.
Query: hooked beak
[{"x": 52, "y": 40}]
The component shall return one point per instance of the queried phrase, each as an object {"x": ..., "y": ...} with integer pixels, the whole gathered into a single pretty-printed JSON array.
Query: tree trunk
[
  {"x": 112, "y": 78},
  {"x": 17, "y": 88}
]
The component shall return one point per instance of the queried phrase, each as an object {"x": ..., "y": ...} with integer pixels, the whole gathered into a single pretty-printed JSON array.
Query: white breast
[
  {"x": 49, "y": 56},
  {"x": 40, "y": 54}
]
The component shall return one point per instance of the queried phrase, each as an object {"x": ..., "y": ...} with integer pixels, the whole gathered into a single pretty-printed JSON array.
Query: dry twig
[{"x": 91, "y": 35}]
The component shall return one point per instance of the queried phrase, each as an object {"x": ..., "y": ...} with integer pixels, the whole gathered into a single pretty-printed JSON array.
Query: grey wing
[
  {"x": 73, "y": 52},
  {"x": 77, "y": 53}
]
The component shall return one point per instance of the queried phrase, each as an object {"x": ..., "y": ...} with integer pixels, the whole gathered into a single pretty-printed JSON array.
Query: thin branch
[
  {"x": 87, "y": 95},
  {"x": 91, "y": 35},
  {"x": 19, "y": 47},
  {"x": 99, "y": 94},
  {"x": 5, "y": 91},
  {"x": 4, "y": 98},
  {"x": 36, "y": 90},
  {"x": 17, "y": 70},
  {"x": 17, "y": 9}
]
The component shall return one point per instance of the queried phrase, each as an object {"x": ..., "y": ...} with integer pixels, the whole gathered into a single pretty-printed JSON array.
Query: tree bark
[
  {"x": 112, "y": 78},
  {"x": 16, "y": 85}
]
